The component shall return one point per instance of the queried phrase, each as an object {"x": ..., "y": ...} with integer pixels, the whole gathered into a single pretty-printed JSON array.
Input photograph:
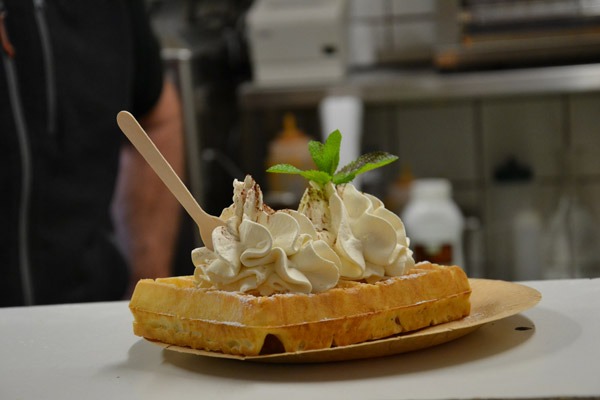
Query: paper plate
[{"x": 491, "y": 300}]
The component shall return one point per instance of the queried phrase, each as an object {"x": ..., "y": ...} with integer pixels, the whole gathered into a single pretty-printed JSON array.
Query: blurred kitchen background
[{"x": 500, "y": 97}]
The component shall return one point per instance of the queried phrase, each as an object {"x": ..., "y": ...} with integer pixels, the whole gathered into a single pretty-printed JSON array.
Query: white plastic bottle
[
  {"x": 434, "y": 223},
  {"x": 527, "y": 232}
]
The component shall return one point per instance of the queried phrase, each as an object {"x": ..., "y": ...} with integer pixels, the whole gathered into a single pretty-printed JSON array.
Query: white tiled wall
[
  {"x": 585, "y": 128},
  {"x": 466, "y": 140},
  {"x": 369, "y": 9},
  {"x": 530, "y": 128},
  {"x": 438, "y": 139},
  {"x": 404, "y": 7},
  {"x": 584, "y": 125}
]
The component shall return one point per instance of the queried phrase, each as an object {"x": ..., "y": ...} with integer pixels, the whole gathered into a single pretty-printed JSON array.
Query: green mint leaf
[
  {"x": 362, "y": 164},
  {"x": 284, "y": 169},
  {"x": 312, "y": 175},
  {"x": 343, "y": 177},
  {"x": 319, "y": 177},
  {"x": 326, "y": 156},
  {"x": 316, "y": 152}
]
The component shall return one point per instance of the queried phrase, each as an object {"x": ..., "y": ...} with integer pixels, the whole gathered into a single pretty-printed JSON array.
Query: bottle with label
[
  {"x": 290, "y": 146},
  {"x": 434, "y": 223}
]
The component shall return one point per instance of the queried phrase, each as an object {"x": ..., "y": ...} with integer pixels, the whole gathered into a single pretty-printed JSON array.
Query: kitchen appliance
[
  {"x": 476, "y": 33},
  {"x": 298, "y": 41}
]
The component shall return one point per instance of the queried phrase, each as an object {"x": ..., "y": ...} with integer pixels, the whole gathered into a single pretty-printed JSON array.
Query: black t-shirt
[{"x": 76, "y": 64}]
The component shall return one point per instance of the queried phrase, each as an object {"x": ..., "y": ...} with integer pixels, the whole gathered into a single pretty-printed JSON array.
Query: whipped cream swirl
[
  {"x": 337, "y": 232},
  {"x": 369, "y": 239},
  {"x": 265, "y": 251}
]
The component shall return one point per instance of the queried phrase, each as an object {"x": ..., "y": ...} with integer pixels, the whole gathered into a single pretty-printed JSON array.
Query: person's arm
[{"x": 147, "y": 215}]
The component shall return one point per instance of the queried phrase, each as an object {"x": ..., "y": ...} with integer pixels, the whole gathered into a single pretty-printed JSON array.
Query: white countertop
[{"x": 88, "y": 351}]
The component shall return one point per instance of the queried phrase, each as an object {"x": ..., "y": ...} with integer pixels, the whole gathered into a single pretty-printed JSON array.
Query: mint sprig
[{"x": 327, "y": 157}]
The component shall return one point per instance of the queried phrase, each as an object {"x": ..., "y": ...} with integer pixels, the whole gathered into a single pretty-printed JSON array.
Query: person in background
[{"x": 66, "y": 69}]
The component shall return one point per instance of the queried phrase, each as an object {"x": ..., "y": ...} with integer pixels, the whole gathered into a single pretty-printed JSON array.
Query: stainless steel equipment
[
  {"x": 516, "y": 32},
  {"x": 298, "y": 41}
]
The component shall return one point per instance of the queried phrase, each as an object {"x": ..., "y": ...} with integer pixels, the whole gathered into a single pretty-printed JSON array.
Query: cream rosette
[
  {"x": 265, "y": 251},
  {"x": 369, "y": 239}
]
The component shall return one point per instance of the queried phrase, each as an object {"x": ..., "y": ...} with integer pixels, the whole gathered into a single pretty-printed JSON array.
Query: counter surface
[{"x": 88, "y": 351}]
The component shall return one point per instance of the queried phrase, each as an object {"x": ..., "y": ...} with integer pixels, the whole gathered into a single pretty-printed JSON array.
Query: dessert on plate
[{"x": 337, "y": 271}]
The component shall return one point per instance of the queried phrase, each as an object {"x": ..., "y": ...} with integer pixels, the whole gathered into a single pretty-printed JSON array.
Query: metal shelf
[{"x": 389, "y": 86}]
